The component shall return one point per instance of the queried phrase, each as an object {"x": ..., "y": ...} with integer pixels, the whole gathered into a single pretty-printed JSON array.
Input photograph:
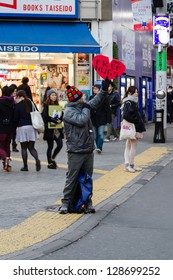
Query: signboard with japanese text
[
  {"x": 161, "y": 30},
  {"x": 39, "y": 8},
  {"x": 142, "y": 15},
  {"x": 146, "y": 53}
]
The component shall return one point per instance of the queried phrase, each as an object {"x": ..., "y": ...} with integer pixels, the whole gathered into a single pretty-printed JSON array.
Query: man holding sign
[{"x": 79, "y": 140}]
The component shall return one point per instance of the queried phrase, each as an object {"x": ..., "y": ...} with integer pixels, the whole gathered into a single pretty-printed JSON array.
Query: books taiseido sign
[{"x": 41, "y": 8}]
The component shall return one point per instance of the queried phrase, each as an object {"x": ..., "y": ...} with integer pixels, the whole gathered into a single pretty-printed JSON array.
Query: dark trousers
[
  {"x": 76, "y": 162},
  {"x": 50, "y": 143},
  {"x": 5, "y": 140}
]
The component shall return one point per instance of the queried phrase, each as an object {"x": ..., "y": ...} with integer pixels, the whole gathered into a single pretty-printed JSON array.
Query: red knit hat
[{"x": 73, "y": 93}]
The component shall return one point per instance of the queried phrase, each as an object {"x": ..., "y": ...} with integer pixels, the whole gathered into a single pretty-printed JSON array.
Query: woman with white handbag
[
  {"x": 131, "y": 113},
  {"x": 25, "y": 134}
]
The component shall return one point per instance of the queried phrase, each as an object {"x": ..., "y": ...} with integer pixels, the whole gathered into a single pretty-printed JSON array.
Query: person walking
[
  {"x": 100, "y": 118},
  {"x": 115, "y": 103},
  {"x": 25, "y": 134},
  {"x": 6, "y": 126},
  {"x": 24, "y": 86},
  {"x": 12, "y": 91},
  {"x": 170, "y": 104},
  {"x": 79, "y": 140},
  {"x": 52, "y": 134},
  {"x": 131, "y": 113}
]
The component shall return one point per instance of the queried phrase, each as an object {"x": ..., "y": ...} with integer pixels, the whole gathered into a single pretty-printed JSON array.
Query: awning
[{"x": 50, "y": 37}]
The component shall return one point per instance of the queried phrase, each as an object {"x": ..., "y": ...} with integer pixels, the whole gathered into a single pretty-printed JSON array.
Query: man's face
[{"x": 96, "y": 90}]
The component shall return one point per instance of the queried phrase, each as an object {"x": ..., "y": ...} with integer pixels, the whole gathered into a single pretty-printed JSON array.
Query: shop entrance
[{"x": 46, "y": 69}]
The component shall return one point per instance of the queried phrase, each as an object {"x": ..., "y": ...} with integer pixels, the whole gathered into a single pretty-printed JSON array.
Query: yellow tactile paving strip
[{"x": 43, "y": 225}]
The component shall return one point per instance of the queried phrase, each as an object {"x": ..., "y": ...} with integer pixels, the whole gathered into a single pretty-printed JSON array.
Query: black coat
[
  {"x": 49, "y": 132},
  {"x": 102, "y": 115},
  {"x": 114, "y": 101},
  {"x": 132, "y": 114},
  {"x": 6, "y": 115}
]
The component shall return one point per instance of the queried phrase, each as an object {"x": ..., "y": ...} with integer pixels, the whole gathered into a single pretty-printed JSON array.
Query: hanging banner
[
  {"x": 41, "y": 8},
  {"x": 161, "y": 30},
  {"x": 142, "y": 15}
]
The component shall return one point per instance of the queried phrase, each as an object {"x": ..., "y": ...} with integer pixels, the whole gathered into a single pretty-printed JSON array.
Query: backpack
[{"x": 82, "y": 194}]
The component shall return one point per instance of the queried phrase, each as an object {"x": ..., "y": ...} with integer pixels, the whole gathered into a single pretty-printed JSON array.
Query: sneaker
[
  {"x": 63, "y": 209},
  {"x": 137, "y": 168},
  {"x": 90, "y": 209},
  {"x": 106, "y": 140},
  {"x": 98, "y": 151},
  {"x": 114, "y": 139},
  {"x": 129, "y": 169}
]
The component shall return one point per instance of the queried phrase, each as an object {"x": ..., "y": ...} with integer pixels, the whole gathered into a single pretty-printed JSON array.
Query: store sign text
[
  {"x": 7, "y": 48},
  {"x": 29, "y": 8}
]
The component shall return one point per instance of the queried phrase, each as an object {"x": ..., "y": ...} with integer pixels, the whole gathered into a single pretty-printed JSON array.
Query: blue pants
[{"x": 99, "y": 136}]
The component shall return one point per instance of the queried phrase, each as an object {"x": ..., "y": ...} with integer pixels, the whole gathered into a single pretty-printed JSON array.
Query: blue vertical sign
[{"x": 161, "y": 30}]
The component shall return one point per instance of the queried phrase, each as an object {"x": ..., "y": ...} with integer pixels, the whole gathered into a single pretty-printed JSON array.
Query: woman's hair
[
  {"x": 48, "y": 101},
  {"x": 27, "y": 102},
  {"x": 131, "y": 90},
  {"x": 12, "y": 88},
  {"x": 45, "y": 94},
  {"x": 25, "y": 80},
  {"x": 5, "y": 91}
]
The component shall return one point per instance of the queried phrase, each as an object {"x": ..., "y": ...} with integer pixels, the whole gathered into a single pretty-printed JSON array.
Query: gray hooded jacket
[{"x": 78, "y": 126}]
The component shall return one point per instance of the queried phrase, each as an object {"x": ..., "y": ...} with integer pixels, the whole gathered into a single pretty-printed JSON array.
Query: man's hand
[
  {"x": 86, "y": 105},
  {"x": 105, "y": 84}
]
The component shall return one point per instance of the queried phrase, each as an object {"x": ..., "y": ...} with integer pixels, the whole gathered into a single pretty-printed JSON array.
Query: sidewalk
[{"x": 25, "y": 196}]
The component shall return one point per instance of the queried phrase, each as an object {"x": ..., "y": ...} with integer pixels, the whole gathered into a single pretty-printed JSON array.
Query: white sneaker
[
  {"x": 136, "y": 168},
  {"x": 129, "y": 169},
  {"x": 107, "y": 140},
  {"x": 98, "y": 151},
  {"x": 115, "y": 139}
]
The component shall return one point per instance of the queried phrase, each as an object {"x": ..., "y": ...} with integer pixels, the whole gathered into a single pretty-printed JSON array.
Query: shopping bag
[
  {"x": 82, "y": 194},
  {"x": 127, "y": 130},
  {"x": 37, "y": 120}
]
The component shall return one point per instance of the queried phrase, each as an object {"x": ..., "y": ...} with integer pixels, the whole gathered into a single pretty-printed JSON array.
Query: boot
[
  {"x": 14, "y": 148},
  {"x": 6, "y": 166}
]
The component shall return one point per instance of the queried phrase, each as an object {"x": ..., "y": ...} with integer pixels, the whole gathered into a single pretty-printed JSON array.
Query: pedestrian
[
  {"x": 24, "y": 86},
  {"x": 6, "y": 126},
  {"x": 52, "y": 134},
  {"x": 131, "y": 113},
  {"x": 79, "y": 140},
  {"x": 170, "y": 104},
  {"x": 25, "y": 134},
  {"x": 52, "y": 86},
  {"x": 13, "y": 91},
  {"x": 100, "y": 118},
  {"x": 114, "y": 102}
]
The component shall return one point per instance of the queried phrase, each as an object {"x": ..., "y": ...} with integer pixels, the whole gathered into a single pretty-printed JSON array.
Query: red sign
[
  {"x": 13, "y": 4},
  {"x": 104, "y": 68}
]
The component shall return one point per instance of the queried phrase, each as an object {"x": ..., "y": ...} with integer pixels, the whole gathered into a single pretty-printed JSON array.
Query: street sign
[{"x": 161, "y": 30}]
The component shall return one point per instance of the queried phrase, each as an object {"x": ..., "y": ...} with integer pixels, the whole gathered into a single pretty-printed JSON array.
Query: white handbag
[
  {"x": 127, "y": 130},
  {"x": 37, "y": 120}
]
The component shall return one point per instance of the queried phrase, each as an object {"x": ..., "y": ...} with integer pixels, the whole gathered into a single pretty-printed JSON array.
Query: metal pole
[{"x": 161, "y": 108}]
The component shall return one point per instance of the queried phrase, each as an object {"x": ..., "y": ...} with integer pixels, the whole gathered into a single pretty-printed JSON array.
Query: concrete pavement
[{"x": 27, "y": 230}]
